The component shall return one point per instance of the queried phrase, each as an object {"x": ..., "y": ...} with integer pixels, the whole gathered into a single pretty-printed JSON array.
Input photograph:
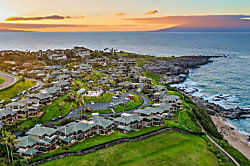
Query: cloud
[
  {"x": 212, "y": 21},
  {"x": 35, "y": 26},
  {"x": 151, "y": 12},
  {"x": 52, "y": 17},
  {"x": 120, "y": 14}
]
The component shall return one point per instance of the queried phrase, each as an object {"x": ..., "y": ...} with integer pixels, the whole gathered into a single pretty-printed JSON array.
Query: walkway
[
  {"x": 9, "y": 80},
  {"x": 204, "y": 131}
]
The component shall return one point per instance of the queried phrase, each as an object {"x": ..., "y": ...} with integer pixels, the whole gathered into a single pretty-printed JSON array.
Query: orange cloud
[
  {"x": 152, "y": 12},
  {"x": 53, "y": 17},
  {"x": 120, "y": 14}
]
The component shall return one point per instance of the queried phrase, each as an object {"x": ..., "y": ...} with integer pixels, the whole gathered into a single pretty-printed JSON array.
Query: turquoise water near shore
[{"x": 226, "y": 75}]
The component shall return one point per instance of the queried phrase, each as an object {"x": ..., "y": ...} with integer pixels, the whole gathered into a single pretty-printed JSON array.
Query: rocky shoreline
[
  {"x": 172, "y": 70},
  {"x": 219, "y": 116},
  {"x": 216, "y": 109}
]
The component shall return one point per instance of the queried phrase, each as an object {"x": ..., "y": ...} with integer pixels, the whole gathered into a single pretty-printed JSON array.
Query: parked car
[
  {"x": 121, "y": 103},
  {"x": 114, "y": 97},
  {"x": 111, "y": 106},
  {"x": 92, "y": 102}
]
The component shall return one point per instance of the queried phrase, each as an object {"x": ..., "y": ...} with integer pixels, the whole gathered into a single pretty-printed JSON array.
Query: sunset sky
[{"x": 121, "y": 15}]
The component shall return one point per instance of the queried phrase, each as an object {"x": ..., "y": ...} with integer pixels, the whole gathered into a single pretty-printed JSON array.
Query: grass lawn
[
  {"x": 106, "y": 97},
  {"x": 53, "y": 110},
  {"x": 104, "y": 111},
  {"x": 187, "y": 119},
  {"x": 171, "y": 148},
  {"x": 133, "y": 103},
  {"x": 12, "y": 91},
  {"x": 93, "y": 141},
  {"x": 2, "y": 80}
]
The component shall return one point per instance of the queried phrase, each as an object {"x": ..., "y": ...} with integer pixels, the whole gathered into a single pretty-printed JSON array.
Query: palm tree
[
  {"x": 11, "y": 140},
  {"x": 4, "y": 141}
]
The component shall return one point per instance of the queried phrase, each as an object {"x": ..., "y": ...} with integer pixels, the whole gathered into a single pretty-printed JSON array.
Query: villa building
[{"x": 8, "y": 116}]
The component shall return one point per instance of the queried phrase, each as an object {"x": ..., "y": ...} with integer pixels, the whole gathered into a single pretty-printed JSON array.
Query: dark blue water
[{"x": 227, "y": 75}]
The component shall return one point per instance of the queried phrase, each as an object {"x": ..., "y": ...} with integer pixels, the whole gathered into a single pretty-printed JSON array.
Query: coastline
[
  {"x": 230, "y": 133},
  {"x": 219, "y": 115},
  {"x": 238, "y": 140}
]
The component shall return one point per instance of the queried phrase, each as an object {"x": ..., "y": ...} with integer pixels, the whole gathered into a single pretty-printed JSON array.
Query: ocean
[{"x": 229, "y": 75}]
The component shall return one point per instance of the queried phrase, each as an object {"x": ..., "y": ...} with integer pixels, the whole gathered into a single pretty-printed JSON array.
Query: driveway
[{"x": 9, "y": 80}]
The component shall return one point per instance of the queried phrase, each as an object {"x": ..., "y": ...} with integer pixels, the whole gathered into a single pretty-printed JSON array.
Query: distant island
[
  {"x": 10, "y": 30},
  {"x": 202, "y": 29}
]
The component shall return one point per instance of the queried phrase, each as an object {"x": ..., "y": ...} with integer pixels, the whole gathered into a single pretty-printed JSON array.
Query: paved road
[
  {"x": 9, "y": 80},
  {"x": 100, "y": 106}
]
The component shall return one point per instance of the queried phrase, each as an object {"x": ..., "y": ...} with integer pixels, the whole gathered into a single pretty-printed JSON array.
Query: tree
[
  {"x": 8, "y": 140},
  {"x": 11, "y": 140},
  {"x": 24, "y": 161},
  {"x": 61, "y": 105}
]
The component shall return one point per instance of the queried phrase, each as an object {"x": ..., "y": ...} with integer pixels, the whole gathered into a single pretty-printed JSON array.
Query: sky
[{"x": 121, "y": 15}]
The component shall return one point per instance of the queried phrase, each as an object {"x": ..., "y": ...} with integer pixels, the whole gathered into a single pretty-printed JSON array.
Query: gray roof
[
  {"x": 47, "y": 141},
  {"x": 23, "y": 102},
  {"x": 75, "y": 127},
  {"x": 51, "y": 90},
  {"x": 30, "y": 152},
  {"x": 29, "y": 101},
  {"x": 166, "y": 106},
  {"x": 150, "y": 110},
  {"x": 81, "y": 91},
  {"x": 127, "y": 128},
  {"x": 67, "y": 139},
  {"x": 41, "y": 131},
  {"x": 100, "y": 121},
  {"x": 63, "y": 76},
  {"x": 6, "y": 111},
  {"x": 128, "y": 118},
  {"x": 16, "y": 104},
  {"x": 61, "y": 83},
  {"x": 169, "y": 98},
  {"x": 26, "y": 141},
  {"x": 40, "y": 95}
]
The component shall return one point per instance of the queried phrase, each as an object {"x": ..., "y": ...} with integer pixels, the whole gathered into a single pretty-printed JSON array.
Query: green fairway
[
  {"x": 171, "y": 148},
  {"x": 12, "y": 91},
  {"x": 2, "y": 80}
]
